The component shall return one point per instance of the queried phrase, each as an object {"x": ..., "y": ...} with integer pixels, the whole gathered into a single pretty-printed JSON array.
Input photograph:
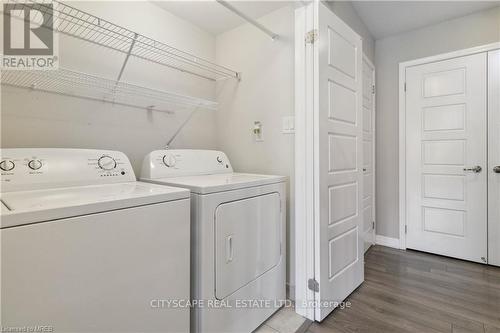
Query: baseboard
[{"x": 387, "y": 241}]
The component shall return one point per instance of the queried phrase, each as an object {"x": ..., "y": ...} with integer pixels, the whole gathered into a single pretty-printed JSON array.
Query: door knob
[
  {"x": 496, "y": 169},
  {"x": 476, "y": 169}
]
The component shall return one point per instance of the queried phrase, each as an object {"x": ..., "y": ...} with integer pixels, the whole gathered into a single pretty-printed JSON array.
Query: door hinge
[
  {"x": 373, "y": 225},
  {"x": 405, "y": 86},
  {"x": 406, "y": 229},
  {"x": 313, "y": 285},
  {"x": 373, "y": 89},
  {"x": 311, "y": 36}
]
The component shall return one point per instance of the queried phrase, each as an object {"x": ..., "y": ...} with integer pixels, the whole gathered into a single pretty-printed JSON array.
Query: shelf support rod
[
  {"x": 249, "y": 19},
  {"x": 179, "y": 129},
  {"x": 126, "y": 58}
]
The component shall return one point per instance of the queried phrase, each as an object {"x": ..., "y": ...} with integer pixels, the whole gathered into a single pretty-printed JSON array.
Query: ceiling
[
  {"x": 386, "y": 18},
  {"x": 215, "y": 18},
  {"x": 382, "y": 18}
]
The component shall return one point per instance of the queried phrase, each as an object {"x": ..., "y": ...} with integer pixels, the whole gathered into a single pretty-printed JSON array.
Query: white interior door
[
  {"x": 368, "y": 153},
  {"x": 446, "y": 151},
  {"x": 494, "y": 158},
  {"x": 338, "y": 160}
]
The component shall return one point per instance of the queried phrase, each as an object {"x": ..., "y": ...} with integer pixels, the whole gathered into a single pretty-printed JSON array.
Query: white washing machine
[
  {"x": 87, "y": 248},
  {"x": 238, "y": 237}
]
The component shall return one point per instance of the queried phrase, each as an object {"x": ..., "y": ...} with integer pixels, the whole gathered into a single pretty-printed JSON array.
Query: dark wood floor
[{"x": 409, "y": 291}]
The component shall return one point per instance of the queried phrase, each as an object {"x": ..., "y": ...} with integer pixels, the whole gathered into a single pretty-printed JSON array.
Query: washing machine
[
  {"x": 237, "y": 236},
  {"x": 87, "y": 248}
]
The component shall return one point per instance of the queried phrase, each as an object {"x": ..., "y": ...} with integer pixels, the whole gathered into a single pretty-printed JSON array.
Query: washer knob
[
  {"x": 7, "y": 165},
  {"x": 169, "y": 160},
  {"x": 106, "y": 162},
  {"x": 35, "y": 164}
]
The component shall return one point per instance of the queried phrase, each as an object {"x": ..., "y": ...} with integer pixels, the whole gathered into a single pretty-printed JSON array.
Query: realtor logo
[{"x": 28, "y": 36}]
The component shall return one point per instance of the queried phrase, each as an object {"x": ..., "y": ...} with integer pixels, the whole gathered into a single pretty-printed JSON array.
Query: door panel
[
  {"x": 494, "y": 157},
  {"x": 368, "y": 155},
  {"x": 339, "y": 153},
  {"x": 446, "y": 134},
  {"x": 247, "y": 241}
]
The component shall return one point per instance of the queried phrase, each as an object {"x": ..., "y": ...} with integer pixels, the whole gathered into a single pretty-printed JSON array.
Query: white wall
[
  {"x": 266, "y": 94},
  {"x": 32, "y": 119},
  {"x": 472, "y": 30},
  {"x": 346, "y": 12}
]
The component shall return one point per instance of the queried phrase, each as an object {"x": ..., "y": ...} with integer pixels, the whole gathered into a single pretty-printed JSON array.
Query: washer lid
[
  {"x": 23, "y": 207},
  {"x": 204, "y": 184}
]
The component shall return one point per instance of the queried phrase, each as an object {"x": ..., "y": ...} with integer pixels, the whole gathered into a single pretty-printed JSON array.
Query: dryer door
[{"x": 247, "y": 241}]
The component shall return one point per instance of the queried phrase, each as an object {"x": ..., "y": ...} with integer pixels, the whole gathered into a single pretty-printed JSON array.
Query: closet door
[
  {"x": 494, "y": 158},
  {"x": 446, "y": 126},
  {"x": 338, "y": 161}
]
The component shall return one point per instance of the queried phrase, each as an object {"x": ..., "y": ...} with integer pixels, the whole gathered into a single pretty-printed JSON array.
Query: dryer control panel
[
  {"x": 184, "y": 162},
  {"x": 42, "y": 168}
]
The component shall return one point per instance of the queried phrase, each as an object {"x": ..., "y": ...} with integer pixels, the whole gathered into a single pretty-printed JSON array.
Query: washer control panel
[
  {"x": 39, "y": 168},
  {"x": 184, "y": 162}
]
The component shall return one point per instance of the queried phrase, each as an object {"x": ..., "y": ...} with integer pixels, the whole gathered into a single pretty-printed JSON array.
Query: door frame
[
  {"x": 374, "y": 145},
  {"x": 304, "y": 163},
  {"x": 402, "y": 122}
]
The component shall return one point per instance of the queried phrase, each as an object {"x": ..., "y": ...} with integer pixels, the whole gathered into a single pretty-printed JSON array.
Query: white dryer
[
  {"x": 87, "y": 248},
  {"x": 238, "y": 237}
]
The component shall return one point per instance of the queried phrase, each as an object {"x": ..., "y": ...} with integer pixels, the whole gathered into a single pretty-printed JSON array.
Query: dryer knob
[{"x": 169, "y": 160}]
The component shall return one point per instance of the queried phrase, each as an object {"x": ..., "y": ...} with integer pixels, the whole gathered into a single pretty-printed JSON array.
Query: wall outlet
[
  {"x": 257, "y": 131},
  {"x": 288, "y": 125}
]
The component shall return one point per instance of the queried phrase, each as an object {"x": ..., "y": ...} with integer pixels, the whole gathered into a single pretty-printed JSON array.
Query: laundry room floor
[
  {"x": 409, "y": 291},
  {"x": 284, "y": 321}
]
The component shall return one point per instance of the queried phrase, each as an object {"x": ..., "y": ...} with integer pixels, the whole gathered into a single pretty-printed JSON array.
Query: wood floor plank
[
  {"x": 404, "y": 323},
  {"x": 483, "y": 275},
  {"x": 410, "y": 307},
  {"x": 351, "y": 320},
  {"x": 451, "y": 264},
  {"x": 487, "y": 282},
  {"x": 450, "y": 287},
  {"x": 410, "y": 291},
  {"x": 450, "y": 291},
  {"x": 491, "y": 329},
  {"x": 434, "y": 297},
  {"x": 459, "y": 329},
  {"x": 401, "y": 308}
]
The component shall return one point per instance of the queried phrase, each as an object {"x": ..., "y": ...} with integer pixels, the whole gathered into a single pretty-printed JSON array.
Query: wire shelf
[
  {"x": 82, "y": 25},
  {"x": 77, "y": 84}
]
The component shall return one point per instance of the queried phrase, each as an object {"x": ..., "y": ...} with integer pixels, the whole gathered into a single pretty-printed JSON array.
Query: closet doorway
[{"x": 447, "y": 105}]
